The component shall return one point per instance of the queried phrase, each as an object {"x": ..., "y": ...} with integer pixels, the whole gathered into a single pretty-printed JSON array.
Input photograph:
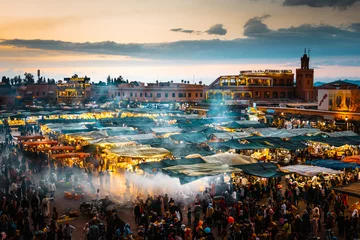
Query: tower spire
[{"x": 305, "y": 51}]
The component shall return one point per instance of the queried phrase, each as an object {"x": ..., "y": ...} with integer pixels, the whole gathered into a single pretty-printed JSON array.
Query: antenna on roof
[
  {"x": 305, "y": 51},
  {"x": 309, "y": 52}
]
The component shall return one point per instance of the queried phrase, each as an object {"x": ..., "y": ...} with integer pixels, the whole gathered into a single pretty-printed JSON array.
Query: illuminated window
[
  {"x": 258, "y": 94},
  {"x": 158, "y": 95},
  {"x": 266, "y": 94}
]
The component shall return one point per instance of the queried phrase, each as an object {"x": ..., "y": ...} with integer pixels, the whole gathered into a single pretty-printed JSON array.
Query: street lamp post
[{"x": 346, "y": 120}]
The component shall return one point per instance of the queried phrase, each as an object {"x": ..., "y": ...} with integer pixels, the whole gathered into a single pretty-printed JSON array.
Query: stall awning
[
  {"x": 342, "y": 134},
  {"x": 160, "y": 130},
  {"x": 140, "y": 152},
  {"x": 188, "y": 173},
  {"x": 333, "y": 164},
  {"x": 183, "y": 150},
  {"x": 309, "y": 171},
  {"x": 154, "y": 166},
  {"x": 109, "y": 140},
  {"x": 57, "y": 148},
  {"x": 89, "y": 135},
  {"x": 30, "y": 144},
  {"x": 264, "y": 170},
  {"x": 229, "y": 159},
  {"x": 193, "y": 137},
  {"x": 352, "y": 189},
  {"x": 352, "y": 159},
  {"x": 230, "y": 135},
  {"x": 70, "y": 155}
]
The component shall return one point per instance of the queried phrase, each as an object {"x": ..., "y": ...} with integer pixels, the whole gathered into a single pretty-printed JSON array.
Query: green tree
[{"x": 29, "y": 78}]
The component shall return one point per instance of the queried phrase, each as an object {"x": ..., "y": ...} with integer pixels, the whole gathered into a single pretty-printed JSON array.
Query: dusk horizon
[{"x": 196, "y": 41}]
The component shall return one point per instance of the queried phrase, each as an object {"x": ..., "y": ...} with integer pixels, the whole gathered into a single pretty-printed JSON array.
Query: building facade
[
  {"x": 73, "y": 90},
  {"x": 159, "y": 92},
  {"x": 339, "y": 96},
  {"x": 253, "y": 85},
  {"x": 268, "y": 85},
  {"x": 41, "y": 91}
]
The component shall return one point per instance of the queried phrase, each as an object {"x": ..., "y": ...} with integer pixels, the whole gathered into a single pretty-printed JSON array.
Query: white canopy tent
[
  {"x": 229, "y": 159},
  {"x": 308, "y": 171}
]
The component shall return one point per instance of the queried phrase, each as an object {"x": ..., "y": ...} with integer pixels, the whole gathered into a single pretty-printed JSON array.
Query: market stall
[
  {"x": 57, "y": 148},
  {"x": 128, "y": 156},
  {"x": 229, "y": 159},
  {"x": 70, "y": 159},
  {"x": 352, "y": 159},
  {"x": 39, "y": 144},
  {"x": 308, "y": 171},
  {"x": 29, "y": 138}
]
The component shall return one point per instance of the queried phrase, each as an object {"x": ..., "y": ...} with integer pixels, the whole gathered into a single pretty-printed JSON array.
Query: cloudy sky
[{"x": 166, "y": 40}]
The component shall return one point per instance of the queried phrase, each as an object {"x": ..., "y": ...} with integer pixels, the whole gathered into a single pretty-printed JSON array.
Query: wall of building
[
  {"x": 171, "y": 92},
  {"x": 339, "y": 100}
]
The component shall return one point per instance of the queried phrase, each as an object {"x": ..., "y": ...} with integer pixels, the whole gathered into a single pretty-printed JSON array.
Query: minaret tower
[{"x": 305, "y": 80}]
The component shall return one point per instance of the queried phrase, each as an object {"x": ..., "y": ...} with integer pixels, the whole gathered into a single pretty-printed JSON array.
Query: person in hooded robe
[{"x": 45, "y": 207}]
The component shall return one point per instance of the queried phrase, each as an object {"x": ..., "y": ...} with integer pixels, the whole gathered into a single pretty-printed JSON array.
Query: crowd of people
[{"x": 245, "y": 209}]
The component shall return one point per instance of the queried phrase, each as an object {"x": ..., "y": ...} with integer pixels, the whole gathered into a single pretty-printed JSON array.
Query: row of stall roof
[{"x": 191, "y": 169}]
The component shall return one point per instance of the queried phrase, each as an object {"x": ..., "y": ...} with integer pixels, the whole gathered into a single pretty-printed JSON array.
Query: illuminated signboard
[{"x": 77, "y": 79}]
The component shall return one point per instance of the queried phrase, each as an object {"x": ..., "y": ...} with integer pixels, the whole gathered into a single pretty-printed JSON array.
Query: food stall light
[{"x": 346, "y": 118}]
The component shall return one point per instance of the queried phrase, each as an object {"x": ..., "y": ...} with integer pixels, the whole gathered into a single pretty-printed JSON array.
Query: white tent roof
[
  {"x": 229, "y": 159},
  {"x": 67, "y": 126},
  {"x": 139, "y": 137},
  {"x": 119, "y": 128},
  {"x": 110, "y": 140},
  {"x": 90, "y": 135},
  {"x": 247, "y": 122},
  {"x": 201, "y": 169},
  {"x": 307, "y": 170},
  {"x": 166, "y": 130},
  {"x": 140, "y": 151},
  {"x": 283, "y": 133}
]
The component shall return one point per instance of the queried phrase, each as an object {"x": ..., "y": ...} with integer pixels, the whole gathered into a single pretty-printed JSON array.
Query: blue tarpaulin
[{"x": 333, "y": 164}]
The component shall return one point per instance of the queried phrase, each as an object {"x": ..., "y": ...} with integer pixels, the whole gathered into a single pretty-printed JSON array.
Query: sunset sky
[{"x": 146, "y": 40}]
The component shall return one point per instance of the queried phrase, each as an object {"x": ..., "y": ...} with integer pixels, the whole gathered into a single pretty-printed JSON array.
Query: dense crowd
[{"x": 234, "y": 214}]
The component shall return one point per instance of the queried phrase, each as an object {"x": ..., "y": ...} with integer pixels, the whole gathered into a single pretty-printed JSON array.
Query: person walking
[{"x": 67, "y": 231}]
